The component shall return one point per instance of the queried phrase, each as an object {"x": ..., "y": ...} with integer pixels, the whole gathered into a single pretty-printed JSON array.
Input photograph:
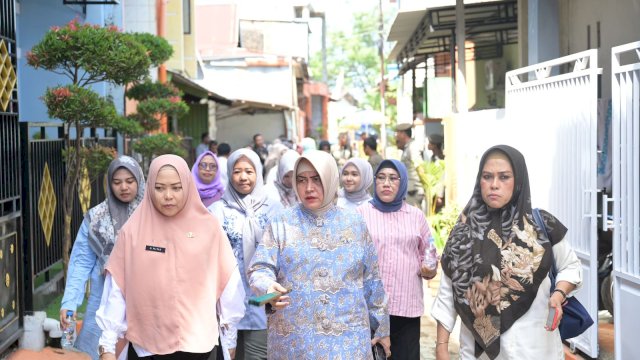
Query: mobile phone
[
  {"x": 552, "y": 318},
  {"x": 261, "y": 300}
]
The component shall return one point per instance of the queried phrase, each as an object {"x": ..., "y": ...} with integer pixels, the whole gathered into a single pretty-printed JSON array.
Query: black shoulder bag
[{"x": 575, "y": 318}]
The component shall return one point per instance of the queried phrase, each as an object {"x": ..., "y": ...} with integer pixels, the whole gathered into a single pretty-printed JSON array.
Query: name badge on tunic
[{"x": 155, "y": 248}]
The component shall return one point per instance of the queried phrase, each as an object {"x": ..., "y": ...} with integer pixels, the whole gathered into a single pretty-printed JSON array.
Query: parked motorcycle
[{"x": 605, "y": 267}]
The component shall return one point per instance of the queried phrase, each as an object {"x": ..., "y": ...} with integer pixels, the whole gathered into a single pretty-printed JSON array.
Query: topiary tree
[
  {"x": 88, "y": 54},
  {"x": 156, "y": 100}
]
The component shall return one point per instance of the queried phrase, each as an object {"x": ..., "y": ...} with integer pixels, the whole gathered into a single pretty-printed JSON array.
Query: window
[{"x": 186, "y": 16}]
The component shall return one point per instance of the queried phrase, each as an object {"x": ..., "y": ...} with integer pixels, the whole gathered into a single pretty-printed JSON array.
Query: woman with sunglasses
[
  {"x": 207, "y": 178},
  {"x": 406, "y": 254}
]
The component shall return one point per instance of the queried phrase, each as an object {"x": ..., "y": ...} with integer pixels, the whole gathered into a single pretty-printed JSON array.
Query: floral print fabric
[
  {"x": 330, "y": 265},
  {"x": 497, "y": 258}
]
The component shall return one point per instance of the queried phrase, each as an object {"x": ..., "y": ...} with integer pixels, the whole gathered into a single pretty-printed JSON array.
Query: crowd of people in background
[{"x": 333, "y": 235}]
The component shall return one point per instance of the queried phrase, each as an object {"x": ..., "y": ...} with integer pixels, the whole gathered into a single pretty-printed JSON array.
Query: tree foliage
[
  {"x": 88, "y": 54},
  {"x": 355, "y": 55},
  {"x": 159, "y": 144},
  {"x": 158, "y": 48},
  {"x": 78, "y": 105},
  {"x": 354, "y": 59}
]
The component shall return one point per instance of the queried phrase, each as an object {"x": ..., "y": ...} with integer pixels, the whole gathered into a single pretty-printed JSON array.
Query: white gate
[
  {"x": 551, "y": 117},
  {"x": 555, "y": 105},
  {"x": 626, "y": 205}
]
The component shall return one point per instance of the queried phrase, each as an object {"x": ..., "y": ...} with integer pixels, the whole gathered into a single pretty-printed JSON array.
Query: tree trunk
[{"x": 73, "y": 161}]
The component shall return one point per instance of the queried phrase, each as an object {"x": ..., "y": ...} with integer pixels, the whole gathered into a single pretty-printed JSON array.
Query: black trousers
[
  {"x": 405, "y": 338},
  {"x": 179, "y": 355}
]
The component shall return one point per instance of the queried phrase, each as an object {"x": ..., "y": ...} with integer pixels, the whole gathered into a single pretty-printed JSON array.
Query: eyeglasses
[
  {"x": 209, "y": 166},
  {"x": 383, "y": 179}
]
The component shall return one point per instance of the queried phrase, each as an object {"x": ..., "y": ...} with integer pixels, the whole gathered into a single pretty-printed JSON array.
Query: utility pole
[
  {"x": 461, "y": 72},
  {"x": 383, "y": 125},
  {"x": 162, "y": 69}
]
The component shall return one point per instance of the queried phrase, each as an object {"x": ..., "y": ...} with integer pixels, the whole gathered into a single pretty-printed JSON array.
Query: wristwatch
[{"x": 103, "y": 350}]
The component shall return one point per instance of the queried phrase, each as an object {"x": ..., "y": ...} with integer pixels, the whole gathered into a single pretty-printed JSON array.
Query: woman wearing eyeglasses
[
  {"x": 406, "y": 254},
  {"x": 207, "y": 178}
]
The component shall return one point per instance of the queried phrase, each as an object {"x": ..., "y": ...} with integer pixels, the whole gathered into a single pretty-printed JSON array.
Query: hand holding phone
[
  {"x": 261, "y": 300},
  {"x": 553, "y": 319}
]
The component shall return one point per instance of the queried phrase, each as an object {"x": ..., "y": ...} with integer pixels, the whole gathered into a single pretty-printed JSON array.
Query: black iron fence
[
  {"x": 44, "y": 174},
  {"x": 10, "y": 204}
]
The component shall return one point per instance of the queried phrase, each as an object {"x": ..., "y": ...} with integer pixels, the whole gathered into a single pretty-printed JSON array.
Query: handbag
[
  {"x": 575, "y": 318},
  {"x": 377, "y": 349}
]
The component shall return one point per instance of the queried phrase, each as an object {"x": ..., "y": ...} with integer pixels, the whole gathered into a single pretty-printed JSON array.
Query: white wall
[
  {"x": 238, "y": 130},
  {"x": 140, "y": 16},
  {"x": 618, "y": 25}
]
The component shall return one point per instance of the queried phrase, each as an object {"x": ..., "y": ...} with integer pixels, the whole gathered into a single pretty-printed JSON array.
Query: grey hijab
[
  {"x": 249, "y": 204},
  {"x": 366, "y": 180},
  {"x": 106, "y": 218}
]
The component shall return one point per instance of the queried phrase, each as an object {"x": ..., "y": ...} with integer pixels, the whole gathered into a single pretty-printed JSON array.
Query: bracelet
[
  {"x": 564, "y": 294},
  {"x": 441, "y": 342}
]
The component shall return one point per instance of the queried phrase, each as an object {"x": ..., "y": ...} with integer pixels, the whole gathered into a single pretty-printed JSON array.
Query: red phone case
[{"x": 552, "y": 318}]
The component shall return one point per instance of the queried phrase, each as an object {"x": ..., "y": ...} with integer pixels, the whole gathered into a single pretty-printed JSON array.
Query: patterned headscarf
[
  {"x": 396, "y": 204},
  {"x": 209, "y": 193},
  {"x": 366, "y": 179},
  {"x": 106, "y": 218},
  {"x": 497, "y": 258},
  {"x": 247, "y": 204}
]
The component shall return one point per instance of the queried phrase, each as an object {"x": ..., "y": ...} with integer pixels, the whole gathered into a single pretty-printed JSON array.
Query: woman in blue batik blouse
[{"x": 323, "y": 256}]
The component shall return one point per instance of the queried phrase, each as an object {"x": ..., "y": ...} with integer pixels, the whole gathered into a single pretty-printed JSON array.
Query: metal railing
[{"x": 42, "y": 148}]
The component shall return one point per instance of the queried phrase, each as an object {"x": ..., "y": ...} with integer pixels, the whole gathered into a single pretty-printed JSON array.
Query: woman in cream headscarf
[
  {"x": 356, "y": 178},
  {"x": 282, "y": 189},
  {"x": 323, "y": 258},
  {"x": 166, "y": 272},
  {"x": 244, "y": 211}
]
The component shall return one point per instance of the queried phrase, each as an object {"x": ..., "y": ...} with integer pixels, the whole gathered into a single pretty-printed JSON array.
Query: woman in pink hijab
[{"x": 166, "y": 273}]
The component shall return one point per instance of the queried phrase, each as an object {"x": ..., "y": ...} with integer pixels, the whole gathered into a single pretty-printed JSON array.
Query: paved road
[{"x": 428, "y": 325}]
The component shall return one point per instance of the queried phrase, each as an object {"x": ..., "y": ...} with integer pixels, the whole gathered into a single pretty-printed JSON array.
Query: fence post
[{"x": 27, "y": 248}]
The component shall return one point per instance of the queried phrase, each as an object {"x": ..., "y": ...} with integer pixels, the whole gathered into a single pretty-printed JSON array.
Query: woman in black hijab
[{"x": 496, "y": 265}]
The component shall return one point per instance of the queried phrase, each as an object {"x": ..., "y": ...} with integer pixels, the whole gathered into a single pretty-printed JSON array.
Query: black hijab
[{"x": 497, "y": 258}]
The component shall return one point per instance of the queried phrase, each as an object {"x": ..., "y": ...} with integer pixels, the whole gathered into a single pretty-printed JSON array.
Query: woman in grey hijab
[
  {"x": 282, "y": 188},
  {"x": 244, "y": 211},
  {"x": 356, "y": 179},
  {"x": 94, "y": 243}
]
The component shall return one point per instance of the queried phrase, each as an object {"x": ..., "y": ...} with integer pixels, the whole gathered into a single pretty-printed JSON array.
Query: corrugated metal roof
[
  {"x": 402, "y": 28},
  {"x": 420, "y": 33}
]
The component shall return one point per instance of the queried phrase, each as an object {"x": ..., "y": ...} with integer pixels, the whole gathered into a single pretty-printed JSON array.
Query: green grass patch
[
  {"x": 53, "y": 308},
  {"x": 52, "y": 272}
]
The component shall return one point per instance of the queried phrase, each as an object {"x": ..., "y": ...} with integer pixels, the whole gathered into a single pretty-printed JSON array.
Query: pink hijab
[{"x": 172, "y": 270}]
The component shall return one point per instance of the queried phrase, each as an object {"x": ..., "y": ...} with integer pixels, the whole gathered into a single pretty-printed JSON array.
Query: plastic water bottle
[
  {"x": 430, "y": 257},
  {"x": 69, "y": 332}
]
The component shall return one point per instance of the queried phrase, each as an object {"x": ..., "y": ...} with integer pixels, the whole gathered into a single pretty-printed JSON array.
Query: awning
[
  {"x": 178, "y": 78},
  {"x": 489, "y": 26}
]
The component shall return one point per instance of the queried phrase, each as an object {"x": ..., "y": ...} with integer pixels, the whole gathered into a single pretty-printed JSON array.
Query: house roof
[
  {"x": 488, "y": 26},
  {"x": 186, "y": 82}
]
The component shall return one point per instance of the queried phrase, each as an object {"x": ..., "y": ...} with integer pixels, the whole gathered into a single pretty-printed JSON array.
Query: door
[{"x": 625, "y": 96}]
